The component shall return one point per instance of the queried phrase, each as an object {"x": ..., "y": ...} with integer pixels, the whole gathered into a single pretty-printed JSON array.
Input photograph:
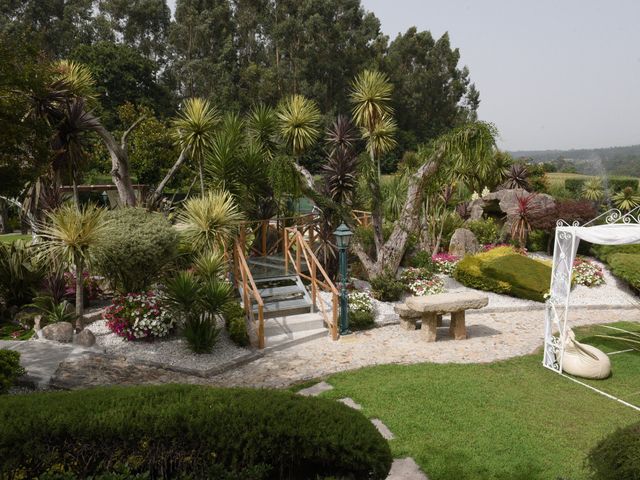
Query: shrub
[
  {"x": 134, "y": 249},
  {"x": 20, "y": 273},
  {"x": 201, "y": 333},
  {"x": 386, "y": 287},
  {"x": 574, "y": 185},
  {"x": 617, "y": 456},
  {"x": 605, "y": 252},
  {"x": 421, "y": 282},
  {"x": 423, "y": 260},
  {"x": 587, "y": 273},
  {"x": 537, "y": 241},
  {"x": 10, "y": 369},
  {"x": 445, "y": 263},
  {"x": 177, "y": 431},
  {"x": 627, "y": 267},
  {"x": 485, "y": 230},
  {"x": 361, "y": 312},
  {"x": 618, "y": 184},
  {"x": 137, "y": 316},
  {"x": 503, "y": 270},
  {"x": 236, "y": 323}
]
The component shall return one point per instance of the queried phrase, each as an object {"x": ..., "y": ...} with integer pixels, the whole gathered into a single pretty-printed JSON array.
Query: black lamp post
[{"x": 343, "y": 237}]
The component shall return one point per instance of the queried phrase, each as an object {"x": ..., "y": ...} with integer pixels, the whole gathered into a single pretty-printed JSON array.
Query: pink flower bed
[{"x": 138, "y": 316}]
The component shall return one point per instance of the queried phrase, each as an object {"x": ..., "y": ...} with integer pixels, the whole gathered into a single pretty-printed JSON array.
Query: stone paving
[{"x": 492, "y": 336}]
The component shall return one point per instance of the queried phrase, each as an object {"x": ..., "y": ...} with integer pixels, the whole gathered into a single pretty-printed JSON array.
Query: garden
[{"x": 153, "y": 218}]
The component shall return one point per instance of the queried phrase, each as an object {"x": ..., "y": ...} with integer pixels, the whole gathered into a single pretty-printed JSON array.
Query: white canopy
[{"x": 618, "y": 230}]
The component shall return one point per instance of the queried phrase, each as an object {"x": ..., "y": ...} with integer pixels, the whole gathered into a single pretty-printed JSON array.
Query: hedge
[
  {"x": 188, "y": 431},
  {"x": 623, "y": 260},
  {"x": 502, "y": 270},
  {"x": 10, "y": 369},
  {"x": 617, "y": 456},
  {"x": 574, "y": 185}
]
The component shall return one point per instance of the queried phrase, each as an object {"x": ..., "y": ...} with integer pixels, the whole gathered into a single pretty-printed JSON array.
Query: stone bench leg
[
  {"x": 408, "y": 323},
  {"x": 439, "y": 320},
  {"x": 429, "y": 326},
  {"x": 458, "y": 329}
]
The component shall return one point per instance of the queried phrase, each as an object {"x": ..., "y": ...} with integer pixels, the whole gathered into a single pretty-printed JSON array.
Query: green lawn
[
  {"x": 12, "y": 237},
  {"x": 506, "y": 420},
  {"x": 558, "y": 178}
]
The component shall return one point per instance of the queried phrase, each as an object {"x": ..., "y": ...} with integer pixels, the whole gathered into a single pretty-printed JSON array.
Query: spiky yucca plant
[
  {"x": 592, "y": 190},
  {"x": 371, "y": 98},
  {"x": 70, "y": 233},
  {"x": 76, "y": 77},
  {"x": 298, "y": 122},
  {"x": 194, "y": 130},
  {"x": 207, "y": 223},
  {"x": 626, "y": 199}
]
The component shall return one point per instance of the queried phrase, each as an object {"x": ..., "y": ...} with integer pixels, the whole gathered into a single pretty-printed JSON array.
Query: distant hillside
[{"x": 611, "y": 160}]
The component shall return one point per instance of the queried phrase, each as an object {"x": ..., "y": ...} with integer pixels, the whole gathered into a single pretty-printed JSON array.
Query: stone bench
[{"x": 430, "y": 309}]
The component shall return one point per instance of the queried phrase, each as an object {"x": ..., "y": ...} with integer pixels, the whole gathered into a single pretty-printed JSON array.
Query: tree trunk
[
  {"x": 79, "y": 292},
  {"x": 4, "y": 217},
  {"x": 155, "y": 197},
  {"x": 201, "y": 172}
]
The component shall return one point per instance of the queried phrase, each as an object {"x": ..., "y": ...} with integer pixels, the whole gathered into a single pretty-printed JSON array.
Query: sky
[{"x": 552, "y": 74}]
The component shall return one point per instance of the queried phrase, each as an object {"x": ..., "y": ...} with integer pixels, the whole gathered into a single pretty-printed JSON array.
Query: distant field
[
  {"x": 12, "y": 237},
  {"x": 557, "y": 178}
]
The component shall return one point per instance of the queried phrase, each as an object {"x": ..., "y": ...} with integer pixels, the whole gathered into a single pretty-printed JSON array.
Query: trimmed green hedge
[
  {"x": 623, "y": 260},
  {"x": 10, "y": 369},
  {"x": 502, "y": 270},
  {"x": 188, "y": 431},
  {"x": 617, "y": 456}
]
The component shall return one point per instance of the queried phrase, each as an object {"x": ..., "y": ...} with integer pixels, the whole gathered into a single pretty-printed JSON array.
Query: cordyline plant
[
  {"x": 70, "y": 233},
  {"x": 525, "y": 213}
]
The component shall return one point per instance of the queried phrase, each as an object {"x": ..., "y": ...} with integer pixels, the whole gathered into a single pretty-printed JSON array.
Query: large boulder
[
  {"x": 463, "y": 241},
  {"x": 59, "y": 332},
  {"x": 505, "y": 202}
]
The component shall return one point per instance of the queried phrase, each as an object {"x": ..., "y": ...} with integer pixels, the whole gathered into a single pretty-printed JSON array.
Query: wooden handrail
[
  {"x": 303, "y": 248},
  {"x": 249, "y": 290}
]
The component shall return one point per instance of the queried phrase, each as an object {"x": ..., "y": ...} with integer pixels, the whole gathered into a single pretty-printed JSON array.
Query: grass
[
  {"x": 506, "y": 420},
  {"x": 12, "y": 237},
  {"x": 557, "y": 178}
]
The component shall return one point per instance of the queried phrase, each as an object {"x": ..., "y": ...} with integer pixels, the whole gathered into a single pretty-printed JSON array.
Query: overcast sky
[{"x": 552, "y": 74}]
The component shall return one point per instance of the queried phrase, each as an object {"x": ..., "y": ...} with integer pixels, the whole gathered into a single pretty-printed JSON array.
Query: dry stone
[
  {"x": 448, "y": 302},
  {"x": 507, "y": 202},
  {"x": 463, "y": 241},
  {"x": 86, "y": 338},
  {"x": 59, "y": 332}
]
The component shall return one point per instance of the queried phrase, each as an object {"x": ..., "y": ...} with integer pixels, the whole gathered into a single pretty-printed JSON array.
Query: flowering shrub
[
  {"x": 92, "y": 290},
  {"x": 138, "y": 315},
  {"x": 587, "y": 273},
  {"x": 420, "y": 281},
  {"x": 361, "y": 314},
  {"x": 445, "y": 263}
]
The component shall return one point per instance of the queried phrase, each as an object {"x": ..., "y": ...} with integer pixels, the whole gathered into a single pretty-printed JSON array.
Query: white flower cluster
[
  {"x": 421, "y": 287},
  {"x": 360, "y": 302}
]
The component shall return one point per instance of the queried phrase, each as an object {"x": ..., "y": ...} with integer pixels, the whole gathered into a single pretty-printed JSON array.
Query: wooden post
[
  {"x": 314, "y": 286},
  {"x": 285, "y": 244},
  {"x": 458, "y": 329},
  {"x": 298, "y": 253},
  {"x": 260, "y": 327},
  {"x": 264, "y": 237}
]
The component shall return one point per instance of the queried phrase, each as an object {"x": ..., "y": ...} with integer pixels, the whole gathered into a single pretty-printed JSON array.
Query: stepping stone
[
  {"x": 350, "y": 403},
  {"x": 406, "y": 469},
  {"x": 315, "y": 390},
  {"x": 383, "y": 429}
]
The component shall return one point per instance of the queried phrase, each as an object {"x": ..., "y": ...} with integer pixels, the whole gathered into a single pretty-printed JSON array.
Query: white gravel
[{"x": 172, "y": 351}]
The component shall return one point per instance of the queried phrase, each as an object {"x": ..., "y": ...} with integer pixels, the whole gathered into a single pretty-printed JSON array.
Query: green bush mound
[
  {"x": 235, "y": 321},
  {"x": 188, "y": 431},
  {"x": 617, "y": 457},
  {"x": 10, "y": 369},
  {"x": 623, "y": 260},
  {"x": 502, "y": 270},
  {"x": 135, "y": 247}
]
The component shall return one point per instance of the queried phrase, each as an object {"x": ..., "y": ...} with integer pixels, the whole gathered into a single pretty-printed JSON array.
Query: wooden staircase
[{"x": 281, "y": 308}]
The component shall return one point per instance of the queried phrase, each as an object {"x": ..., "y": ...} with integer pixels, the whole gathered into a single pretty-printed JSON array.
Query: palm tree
[
  {"x": 207, "y": 223},
  {"x": 626, "y": 199},
  {"x": 70, "y": 233},
  {"x": 298, "y": 122},
  {"x": 592, "y": 190},
  {"x": 194, "y": 129}
]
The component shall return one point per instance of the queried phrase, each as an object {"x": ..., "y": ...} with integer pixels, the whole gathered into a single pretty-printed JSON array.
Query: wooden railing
[
  {"x": 293, "y": 238},
  {"x": 362, "y": 218},
  {"x": 250, "y": 293},
  {"x": 254, "y": 235}
]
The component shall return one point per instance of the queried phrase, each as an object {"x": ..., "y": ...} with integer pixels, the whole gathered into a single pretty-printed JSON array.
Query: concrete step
[
  {"x": 274, "y": 293},
  {"x": 287, "y": 331},
  {"x": 281, "y": 308}
]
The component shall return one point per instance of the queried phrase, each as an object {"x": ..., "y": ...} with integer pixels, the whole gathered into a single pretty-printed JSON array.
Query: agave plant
[
  {"x": 592, "y": 190},
  {"x": 194, "y": 130},
  {"x": 626, "y": 199},
  {"x": 298, "y": 121},
  {"x": 208, "y": 223},
  {"x": 70, "y": 233},
  {"x": 517, "y": 177}
]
